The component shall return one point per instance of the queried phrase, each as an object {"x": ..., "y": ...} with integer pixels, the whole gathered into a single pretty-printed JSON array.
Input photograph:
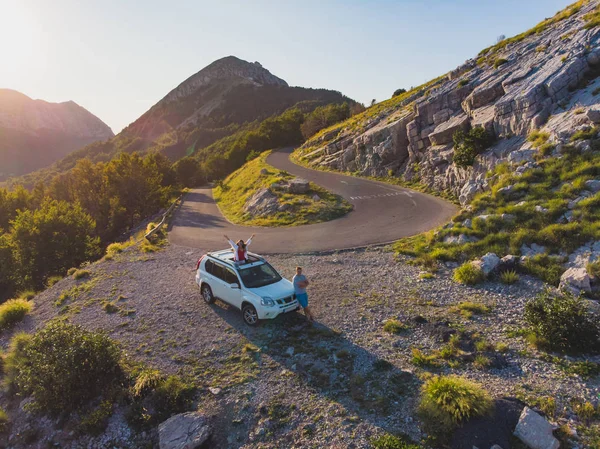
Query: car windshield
[{"x": 259, "y": 276}]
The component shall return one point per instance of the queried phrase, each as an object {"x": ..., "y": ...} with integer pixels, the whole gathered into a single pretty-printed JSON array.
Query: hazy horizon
[{"x": 117, "y": 59}]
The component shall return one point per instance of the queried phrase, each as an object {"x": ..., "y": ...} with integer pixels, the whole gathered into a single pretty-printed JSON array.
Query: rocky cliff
[
  {"x": 35, "y": 133},
  {"x": 545, "y": 77}
]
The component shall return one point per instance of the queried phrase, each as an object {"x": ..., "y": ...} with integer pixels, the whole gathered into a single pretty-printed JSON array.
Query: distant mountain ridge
[
  {"x": 227, "y": 96},
  {"x": 36, "y": 133}
]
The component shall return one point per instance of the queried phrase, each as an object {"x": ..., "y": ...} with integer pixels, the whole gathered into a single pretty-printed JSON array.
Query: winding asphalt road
[{"x": 382, "y": 213}]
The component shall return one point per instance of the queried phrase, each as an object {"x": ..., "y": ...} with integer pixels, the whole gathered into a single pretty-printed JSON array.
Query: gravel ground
[{"x": 287, "y": 384}]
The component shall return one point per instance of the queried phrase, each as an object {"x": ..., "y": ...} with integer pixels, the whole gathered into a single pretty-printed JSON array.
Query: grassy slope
[
  {"x": 232, "y": 194},
  {"x": 552, "y": 186}
]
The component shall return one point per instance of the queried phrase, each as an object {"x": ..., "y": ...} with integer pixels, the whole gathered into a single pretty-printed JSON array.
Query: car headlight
[{"x": 267, "y": 301}]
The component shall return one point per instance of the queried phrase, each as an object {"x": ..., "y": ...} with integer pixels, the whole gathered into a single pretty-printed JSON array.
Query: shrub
[
  {"x": 468, "y": 308},
  {"x": 499, "y": 61},
  {"x": 447, "y": 401},
  {"x": 13, "y": 311},
  {"x": 398, "y": 92},
  {"x": 80, "y": 274},
  {"x": 65, "y": 366},
  {"x": 156, "y": 398},
  {"x": 14, "y": 359},
  {"x": 562, "y": 322},
  {"x": 94, "y": 422},
  {"x": 393, "y": 326},
  {"x": 468, "y": 274},
  {"x": 52, "y": 280},
  {"x": 463, "y": 82},
  {"x": 468, "y": 145},
  {"x": 389, "y": 441},
  {"x": 509, "y": 277},
  {"x": 584, "y": 135},
  {"x": 27, "y": 294}
]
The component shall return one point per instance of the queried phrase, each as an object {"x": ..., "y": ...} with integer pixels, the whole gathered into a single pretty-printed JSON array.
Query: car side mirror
[{"x": 234, "y": 285}]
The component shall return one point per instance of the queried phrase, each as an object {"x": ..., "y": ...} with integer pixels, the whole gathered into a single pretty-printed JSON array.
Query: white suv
[{"x": 254, "y": 287}]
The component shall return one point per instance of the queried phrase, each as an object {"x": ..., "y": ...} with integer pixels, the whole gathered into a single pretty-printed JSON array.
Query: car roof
[{"x": 226, "y": 255}]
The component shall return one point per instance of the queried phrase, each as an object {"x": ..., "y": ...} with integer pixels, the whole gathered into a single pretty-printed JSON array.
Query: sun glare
[{"x": 19, "y": 42}]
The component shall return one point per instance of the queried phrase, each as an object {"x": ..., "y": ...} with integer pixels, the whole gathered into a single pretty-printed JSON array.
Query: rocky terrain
[
  {"x": 36, "y": 133},
  {"x": 340, "y": 383},
  {"x": 542, "y": 79}
]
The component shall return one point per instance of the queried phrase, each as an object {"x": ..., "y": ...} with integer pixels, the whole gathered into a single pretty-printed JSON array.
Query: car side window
[
  {"x": 209, "y": 266},
  {"x": 219, "y": 271},
  {"x": 231, "y": 277}
]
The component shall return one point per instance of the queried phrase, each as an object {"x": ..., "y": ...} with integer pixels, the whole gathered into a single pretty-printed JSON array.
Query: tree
[
  {"x": 373, "y": 101},
  {"x": 398, "y": 92},
  {"x": 188, "y": 172},
  {"x": 500, "y": 38},
  {"x": 52, "y": 239},
  {"x": 7, "y": 268}
]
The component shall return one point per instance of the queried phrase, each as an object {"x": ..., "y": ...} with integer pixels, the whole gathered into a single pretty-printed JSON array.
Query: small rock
[
  {"x": 489, "y": 263},
  {"x": 533, "y": 250},
  {"x": 468, "y": 223},
  {"x": 264, "y": 171},
  {"x": 593, "y": 185},
  {"x": 535, "y": 431},
  {"x": 575, "y": 280},
  {"x": 299, "y": 186},
  {"x": 214, "y": 390},
  {"x": 316, "y": 198},
  {"x": 541, "y": 209},
  {"x": 290, "y": 351}
]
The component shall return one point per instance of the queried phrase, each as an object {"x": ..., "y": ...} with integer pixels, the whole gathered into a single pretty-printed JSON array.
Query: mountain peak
[{"x": 227, "y": 68}]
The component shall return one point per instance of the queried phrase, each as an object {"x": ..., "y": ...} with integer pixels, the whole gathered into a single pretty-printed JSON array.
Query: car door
[
  {"x": 234, "y": 295},
  {"x": 219, "y": 284}
]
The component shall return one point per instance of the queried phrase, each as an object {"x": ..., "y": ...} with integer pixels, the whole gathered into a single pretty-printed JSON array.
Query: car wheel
[
  {"x": 207, "y": 294},
  {"x": 250, "y": 315}
]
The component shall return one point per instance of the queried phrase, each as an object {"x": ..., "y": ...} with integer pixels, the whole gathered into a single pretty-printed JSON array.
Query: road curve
[{"x": 382, "y": 213}]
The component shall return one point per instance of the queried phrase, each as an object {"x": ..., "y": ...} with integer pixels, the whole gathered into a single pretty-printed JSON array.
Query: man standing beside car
[{"x": 300, "y": 283}]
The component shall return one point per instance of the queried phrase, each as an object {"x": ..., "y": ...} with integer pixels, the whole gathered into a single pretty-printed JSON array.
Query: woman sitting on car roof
[{"x": 240, "y": 252}]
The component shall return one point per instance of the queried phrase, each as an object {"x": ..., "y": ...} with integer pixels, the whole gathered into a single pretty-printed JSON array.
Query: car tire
[
  {"x": 207, "y": 294},
  {"x": 250, "y": 315}
]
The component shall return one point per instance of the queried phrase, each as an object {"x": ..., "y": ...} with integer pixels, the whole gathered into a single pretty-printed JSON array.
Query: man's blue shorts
[{"x": 302, "y": 299}]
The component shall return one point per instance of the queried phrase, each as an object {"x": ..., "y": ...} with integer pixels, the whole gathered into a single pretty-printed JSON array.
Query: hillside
[
  {"x": 543, "y": 78},
  {"x": 35, "y": 133},
  {"x": 260, "y": 195},
  {"x": 223, "y": 99}
]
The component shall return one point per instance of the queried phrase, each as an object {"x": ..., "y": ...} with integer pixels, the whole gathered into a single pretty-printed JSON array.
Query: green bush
[
  {"x": 561, "y": 321},
  {"x": 52, "y": 280},
  {"x": 463, "y": 82},
  {"x": 448, "y": 401},
  {"x": 393, "y": 326},
  {"x": 500, "y": 61},
  {"x": 80, "y": 274},
  {"x": 156, "y": 398},
  {"x": 389, "y": 441},
  {"x": 94, "y": 422},
  {"x": 468, "y": 274},
  {"x": 468, "y": 145},
  {"x": 64, "y": 367},
  {"x": 14, "y": 359},
  {"x": 13, "y": 311}
]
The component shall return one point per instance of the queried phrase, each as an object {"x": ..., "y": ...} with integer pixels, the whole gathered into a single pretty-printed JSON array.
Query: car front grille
[{"x": 285, "y": 301}]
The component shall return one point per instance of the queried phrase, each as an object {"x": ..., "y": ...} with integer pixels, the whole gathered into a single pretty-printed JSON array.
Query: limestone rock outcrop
[{"x": 509, "y": 90}]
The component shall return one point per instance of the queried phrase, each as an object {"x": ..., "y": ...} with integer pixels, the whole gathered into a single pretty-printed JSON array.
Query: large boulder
[
  {"x": 533, "y": 430},
  {"x": 593, "y": 115},
  {"x": 299, "y": 185},
  {"x": 575, "y": 280},
  {"x": 262, "y": 203},
  {"x": 184, "y": 431}
]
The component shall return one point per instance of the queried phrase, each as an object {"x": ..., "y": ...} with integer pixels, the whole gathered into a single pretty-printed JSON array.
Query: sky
[{"x": 117, "y": 58}]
